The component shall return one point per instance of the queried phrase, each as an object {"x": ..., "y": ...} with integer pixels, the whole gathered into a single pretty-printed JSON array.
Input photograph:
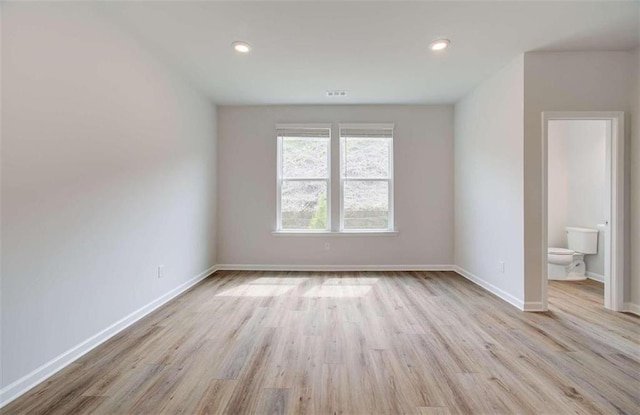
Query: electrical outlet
[
  {"x": 501, "y": 267},
  {"x": 327, "y": 246},
  {"x": 160, "y": 271},
  {"x": 336, "y": 93}
]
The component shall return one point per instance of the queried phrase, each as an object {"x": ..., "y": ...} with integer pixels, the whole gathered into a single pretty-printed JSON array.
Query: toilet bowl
[
  {"x": 565, "y": 264},
  {"x": 568, "y": 264}
]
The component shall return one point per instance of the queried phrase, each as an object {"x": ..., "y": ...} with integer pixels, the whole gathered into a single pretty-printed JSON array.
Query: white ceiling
[{"x": 377, "y": 51}]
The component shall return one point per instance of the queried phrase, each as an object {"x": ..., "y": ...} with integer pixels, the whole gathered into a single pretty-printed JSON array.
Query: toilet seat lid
[{"x": 561, "y": 251}]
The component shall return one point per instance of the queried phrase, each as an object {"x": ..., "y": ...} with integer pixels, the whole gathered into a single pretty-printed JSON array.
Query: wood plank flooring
[{"x": 356, "y": 343}]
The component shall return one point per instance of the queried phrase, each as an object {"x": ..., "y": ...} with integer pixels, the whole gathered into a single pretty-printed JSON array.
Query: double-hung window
[
  {"x": 304, "y": 185},
  {"x": 366, "y": 177},
  {"x": 304, "y": 177}
]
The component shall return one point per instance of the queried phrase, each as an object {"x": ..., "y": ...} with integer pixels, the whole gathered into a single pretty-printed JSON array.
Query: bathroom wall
[
  {"x": 558, "y": 196},
  {"x": 577, "y": 182}
]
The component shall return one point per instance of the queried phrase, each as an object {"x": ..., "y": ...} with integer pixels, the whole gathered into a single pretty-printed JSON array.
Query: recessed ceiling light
[
  {"x": 439, "y": 44},
  {"x": 242, "y": 47}
]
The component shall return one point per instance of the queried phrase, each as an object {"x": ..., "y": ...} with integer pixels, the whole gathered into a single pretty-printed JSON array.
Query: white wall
[
  {"x": 563, "y": 81},
  {"x": 423, "y": 152},
  {"x": 577, "y": 182},
  {"x": 489, "y": 182},
  {"x": 635, "y": 183},
  {"x": 557, "y": 191},
  {"x": 108, "y": 170}
]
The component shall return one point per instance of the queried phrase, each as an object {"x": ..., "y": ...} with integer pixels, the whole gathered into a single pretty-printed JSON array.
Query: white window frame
[
  {"x": 281, "y": 179},
  {"x": 389, "y": 179}
]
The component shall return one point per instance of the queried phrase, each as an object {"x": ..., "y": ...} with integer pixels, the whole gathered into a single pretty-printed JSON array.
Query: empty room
[{"x": 319, "y": 207}]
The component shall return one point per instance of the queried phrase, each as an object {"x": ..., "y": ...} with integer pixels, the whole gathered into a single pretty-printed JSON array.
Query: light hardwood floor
[{"x": 356, "y": 343}]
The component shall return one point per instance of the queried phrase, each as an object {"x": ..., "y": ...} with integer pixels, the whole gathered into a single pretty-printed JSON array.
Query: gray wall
[
  {"x": 488, "y": 182},
  {"x": 423, "y": 152},
  {"x": 564, "y": 81},
  {"x": 108, "y": 170}
]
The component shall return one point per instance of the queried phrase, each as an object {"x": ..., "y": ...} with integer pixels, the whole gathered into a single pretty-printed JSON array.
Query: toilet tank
[{"x": 583, "y": 240}]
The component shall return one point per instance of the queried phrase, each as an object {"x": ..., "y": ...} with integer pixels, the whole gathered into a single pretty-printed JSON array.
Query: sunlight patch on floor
[
  {"x": 351, "y": 281},
  {"x": 350, "y": 287},
  {"x": 338, "y": 291},
  {"x": 257, "y": 290},
  {"x": 279, "y": 280}
]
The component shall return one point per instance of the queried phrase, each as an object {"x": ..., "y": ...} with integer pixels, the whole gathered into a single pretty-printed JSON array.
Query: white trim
[
  {"x": 302, "y": 126},
  {"x": 389, "y": 179},
  {"x": 367, "y": 126},
  {"x": 631, "y": 308},
  {"x": 39, "y": 375},
  {"x": 533, "y": 306},
  {"x": 392, "y": 198},
  {"x": 516, "y": 302},
  {"x": 595, "y": 277},
  {"x": 280, "y": 178},
  {"x": 304, "y": 179},
  {"x": 278, "y": 182},
  {"x": 614, "y": 235},
  {"x": 294, "y": 267},
  {"x": 368, "y": 179},
  {"x": 332, "y": 233}
]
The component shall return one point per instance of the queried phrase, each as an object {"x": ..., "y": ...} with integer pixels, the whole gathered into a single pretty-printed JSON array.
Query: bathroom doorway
[{"x": 583, "y": 201}]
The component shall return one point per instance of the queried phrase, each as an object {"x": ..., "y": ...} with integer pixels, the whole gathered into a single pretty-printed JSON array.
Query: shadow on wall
[{"x": 108, "y": 171}]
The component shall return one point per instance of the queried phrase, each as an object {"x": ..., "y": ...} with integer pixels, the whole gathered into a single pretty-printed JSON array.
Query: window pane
[
  {"x": 304, "y": 204},
  {"x": 304, "y": 157},
  {"x": 365, "y": 157},
  {"x": 366, "y": 204}
]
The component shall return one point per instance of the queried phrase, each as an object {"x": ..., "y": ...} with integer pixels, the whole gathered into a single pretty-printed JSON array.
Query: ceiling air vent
[{"x": 336, "y": 93}]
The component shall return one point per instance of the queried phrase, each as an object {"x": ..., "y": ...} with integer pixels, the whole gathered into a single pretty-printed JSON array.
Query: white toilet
[{"x": 568, "y": 264}]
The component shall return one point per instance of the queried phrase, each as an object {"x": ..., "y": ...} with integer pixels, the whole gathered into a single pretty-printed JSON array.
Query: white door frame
[{"x": 614, "y": 232}]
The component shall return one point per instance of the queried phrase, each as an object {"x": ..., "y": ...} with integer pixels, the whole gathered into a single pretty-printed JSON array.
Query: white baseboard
[
  {"x": 516, "y": 302},
  {"x": 631, "y": 308},
  {"x": 280, "y": 267},
  {"x": 595, "y": 277},
  {"x": 25, "y": 383},
  {"x": 533, "y": 306}
]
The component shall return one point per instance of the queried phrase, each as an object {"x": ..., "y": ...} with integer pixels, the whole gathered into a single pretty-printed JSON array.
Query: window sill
[{"x": 334, "y": 233}]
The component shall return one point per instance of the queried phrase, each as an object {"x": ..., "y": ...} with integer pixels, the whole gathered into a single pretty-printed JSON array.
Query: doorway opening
[{"x": 583, "y": 202}]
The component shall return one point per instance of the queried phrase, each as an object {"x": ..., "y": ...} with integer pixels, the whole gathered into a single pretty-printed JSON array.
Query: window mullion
[
  {"x": 305, "y": 179},
  {"x": 279, "y": 184}
]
